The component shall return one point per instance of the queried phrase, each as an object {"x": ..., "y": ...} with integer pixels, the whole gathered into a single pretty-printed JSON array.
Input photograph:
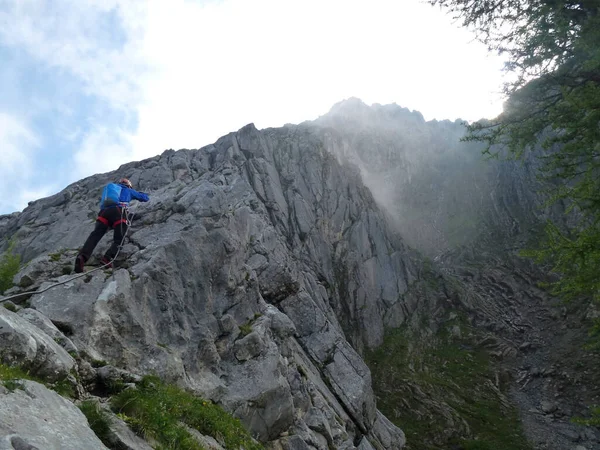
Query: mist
[{"x": 435, "y": 188}]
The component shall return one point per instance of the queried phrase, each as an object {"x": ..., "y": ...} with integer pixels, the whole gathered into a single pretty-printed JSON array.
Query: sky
[{"x": 87, "y": 85}]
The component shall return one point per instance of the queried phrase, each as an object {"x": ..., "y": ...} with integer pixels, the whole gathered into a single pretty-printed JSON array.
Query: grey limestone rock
[
  {"x": 386, "y": 434},
  {"x": 26, "y": 345},
  {"x": 206, "y": 442},
  {"x": 123, "y": 437},
  {"x": 365, "y": 445},
  {"x": 249, "y": 347},
  {"x": 37, "y": 319},
  {"x": 109, "y": 375},
  {"x": 34, "y": 417}
]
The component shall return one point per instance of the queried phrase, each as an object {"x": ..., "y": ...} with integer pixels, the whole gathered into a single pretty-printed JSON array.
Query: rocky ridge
[{"x": 257, "y": 266}]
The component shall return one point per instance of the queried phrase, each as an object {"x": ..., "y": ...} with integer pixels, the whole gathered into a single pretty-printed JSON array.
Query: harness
[{"x": 126, "y": 217}]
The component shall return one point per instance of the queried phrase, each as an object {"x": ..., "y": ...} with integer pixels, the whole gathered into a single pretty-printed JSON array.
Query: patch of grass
[
  {"x": 115, "y": 386},
  {"x": 413, "y": 377},
  {"x": 10, "y": 376},
  {"x": 98, "y": 419},
  {"x": 12, "y": 372},
  {"x": 54, "y": 256},
  {"x": 9, "y": 266},
  {"x": 245, "y": 329},
  {"x": 96, "y": 363},
  {"x": 62, "y": 387},
  {"x": 160, "y": 411},
  {"x": 12, "y": 385},
  {"x": 10, "y": 306},
  {"x": 428, "y": 274},
  {"x": 593, "y": 421}
]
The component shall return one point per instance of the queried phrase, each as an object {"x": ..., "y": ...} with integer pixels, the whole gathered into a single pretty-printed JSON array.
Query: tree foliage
[{"x": 553, "y": 108}]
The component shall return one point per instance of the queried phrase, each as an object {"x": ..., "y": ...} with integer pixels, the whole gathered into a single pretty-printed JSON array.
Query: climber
[{"x": 113, "y": 213}]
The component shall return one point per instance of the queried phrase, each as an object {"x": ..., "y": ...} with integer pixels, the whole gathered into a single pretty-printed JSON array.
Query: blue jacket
[{"x": 128, "y": 194}]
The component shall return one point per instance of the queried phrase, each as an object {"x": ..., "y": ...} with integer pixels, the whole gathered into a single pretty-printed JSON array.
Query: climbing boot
[
  {"x": 104, "y": 261},
  {"x": 79, "y": 263}
]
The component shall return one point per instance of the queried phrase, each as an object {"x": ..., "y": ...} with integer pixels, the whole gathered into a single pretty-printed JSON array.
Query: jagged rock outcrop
[
  {"x": 28, "y": 346},
  {"x": 258, "y": 264}
]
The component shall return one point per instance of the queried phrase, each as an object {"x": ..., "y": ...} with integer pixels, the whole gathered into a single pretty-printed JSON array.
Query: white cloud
[
  {"x": 66, "y": 35},
  {"x": 17, "y": 146},
  {"x": 223, "y": 65},
  {"x": 191, "y": 71},
  {"x": 15, "y": 139},
  {"x": 102, "y": 150}
]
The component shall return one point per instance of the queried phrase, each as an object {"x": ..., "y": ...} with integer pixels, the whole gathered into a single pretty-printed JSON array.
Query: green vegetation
[
  {"x": 161, "y": 412},
  {"x": 98, "y": 419},
  {"x": 154, "y": 410},
  {"x": 12, "y": 385},
  {"x": 406, "y": 376},
  {"x": 96, "y": 363},
  {"x": 10, "y": 306},
  {"x": 9, "y": 266},
  {"x": 429, "y": 275},
  {"x": 62, "y": 387},
  {"x": 11, "y": 376},
  {"x": 246, "y": 328},
  {"x": 553, "y": 109},
  {"x": 12, "y": 373},
  {"x": 593, "y": 421}
]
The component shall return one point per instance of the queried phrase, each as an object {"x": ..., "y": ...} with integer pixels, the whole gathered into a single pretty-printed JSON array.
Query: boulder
[
  {"x": 25, "y": 345},
  {"x": 34, "y": 417}
]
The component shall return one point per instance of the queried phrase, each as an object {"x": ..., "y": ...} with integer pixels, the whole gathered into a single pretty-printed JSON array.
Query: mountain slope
[
  {"x": 252, "y": 258},
  {"x": 268, "y": 265},
  {"x": 473, "y": 216}
]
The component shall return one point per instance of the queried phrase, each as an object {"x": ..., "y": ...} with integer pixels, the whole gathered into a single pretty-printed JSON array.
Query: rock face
[
  {"x": 472, "y": 217},
  {"x": 25, "y": 344},
  {"x": 255, "y": 273},
  {"x": 34, "y": 417}
]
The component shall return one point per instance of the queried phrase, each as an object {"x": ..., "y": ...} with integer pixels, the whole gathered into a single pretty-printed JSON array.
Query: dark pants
[{"x": 114, "y": 217}]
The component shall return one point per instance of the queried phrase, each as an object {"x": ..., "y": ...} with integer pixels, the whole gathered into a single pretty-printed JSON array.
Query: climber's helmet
[{"x": 126, "y": 182}]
